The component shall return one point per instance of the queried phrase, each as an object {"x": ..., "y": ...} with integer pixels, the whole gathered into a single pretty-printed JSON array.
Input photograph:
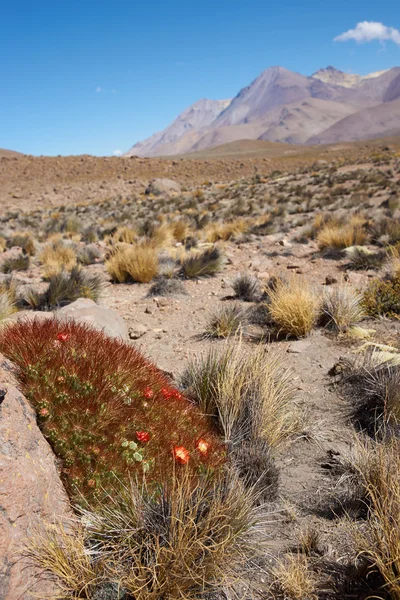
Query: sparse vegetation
[
  {"x": 342, "y": 307},
  {"x": 382, "y": 297},
  {"x": 183, "y": 543},
  {"x": 246, "y": 287},
  {"x": 250, "y": 395},
  {"x": 293, "y": 307},
  {"x": 138, "y": 263},
  {"x": 226, "y": 321},
  {"x": 15, "y": 263},
  {"x": 202, "y": 264}
]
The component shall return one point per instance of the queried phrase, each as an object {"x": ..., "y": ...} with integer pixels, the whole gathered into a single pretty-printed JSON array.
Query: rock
[
  {"x": 285, "y": 243},
  {"x": 86, "y": 311},
  {"x": 329, "y": 280},
  {"x": 136, "y": 331},
  {"x": 163, "y": 186},
  {"x": 31, "y": 493},
  {"x": 299, "y": 346}
]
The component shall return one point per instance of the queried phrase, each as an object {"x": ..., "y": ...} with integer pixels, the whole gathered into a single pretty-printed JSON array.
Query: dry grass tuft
[
  {"x": 249, "y": 394},
  {"x": 184, "y": 543},
  {"x": 57, "y": 256},
  {"x": 379, "y": 542},
  {"x": 342, "y": 307},
  {"x": 293, "y": 579},
  {"x": 225, "y": 321},
  {"x": 202, "y": 264},
  {"x": 335, "y": 236},
  {"x": 137, "y": 263},
  {"x": 293, "y": 307},
  {"x": 247, "y": 287}
]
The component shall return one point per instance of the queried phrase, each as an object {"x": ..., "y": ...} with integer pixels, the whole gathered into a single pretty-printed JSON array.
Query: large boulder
[
  {"x": 85, "y": 310},
  {"x": 31, "y": 493},
  {"x": 165, "y": 186}
]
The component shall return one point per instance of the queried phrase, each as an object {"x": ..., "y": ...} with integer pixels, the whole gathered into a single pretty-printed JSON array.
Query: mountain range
[{"x": 283, "y": 106}]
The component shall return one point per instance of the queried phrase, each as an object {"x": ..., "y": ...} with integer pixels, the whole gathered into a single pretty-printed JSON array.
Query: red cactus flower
[
  {"x": 203, "y": 447},
  {"x": 166, "y": 392},
  {"x": 181, "y": 455},
  {"x": 148, "y": 393},
  {"x": 143, "y": 436},
  {"x": 43, "y": 412},
  {"x": 62, "y": 337}
]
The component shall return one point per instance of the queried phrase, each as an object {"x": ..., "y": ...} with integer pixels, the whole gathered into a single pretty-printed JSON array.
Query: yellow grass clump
[
  {"x": 293, "y": 307},
  {"x": 225, "y": 231},
  {"x": 294, "y": 580},
  {"x": 336, "y": 236},
  {"x": 56, "y": 257},
  {"x": 380, "y": 541},
  {"x": 137, "y": 262}
]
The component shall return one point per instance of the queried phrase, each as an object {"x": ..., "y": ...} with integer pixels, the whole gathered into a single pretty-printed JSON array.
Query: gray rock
[
  {"x": 86, "y": 311},
  {"x": 163, "y": 186},
  {"x": 136, "y": 331},
  {"x": 31, "y": 493}
]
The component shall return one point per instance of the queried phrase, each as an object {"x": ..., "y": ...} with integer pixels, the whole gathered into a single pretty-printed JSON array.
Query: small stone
[
  {"x": 136, "y": 331},
  {"x": 329, "y": 280},
  {"x": 299, "y": 346},
  {"x": 285, "y": 243}
]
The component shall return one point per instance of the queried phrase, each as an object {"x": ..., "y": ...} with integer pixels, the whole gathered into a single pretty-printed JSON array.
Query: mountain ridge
[{"x": 283, "y": 106}]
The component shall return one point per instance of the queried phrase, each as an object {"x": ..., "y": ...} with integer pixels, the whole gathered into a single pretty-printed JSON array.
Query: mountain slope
[
  {"x": 280, "y": 106},
  {"x": 198, "y": 115},
  {"x": 379, "y": 121}
]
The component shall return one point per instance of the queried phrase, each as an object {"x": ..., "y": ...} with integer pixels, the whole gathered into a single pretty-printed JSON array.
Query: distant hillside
[
  {"x": 9, "y": 153},
  {"x": 282, "y": 106}
]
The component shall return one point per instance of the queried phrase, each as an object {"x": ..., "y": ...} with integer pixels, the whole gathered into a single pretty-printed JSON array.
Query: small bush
[
  {"x": 293, "y": 307},
  {"x": 380, "y": 540},
  {"x": 249, "y": 395},
  {"x": 65, "y": 288},
  {"x": 247, "y": 287},
  {"x": 338, "y": 236},
  {"x": 225, "y": 321},
  {"x": 202, "y": 264},
  {"x": 88, "y": 255},
  {"x": 386, "y": 231},
  {"x": 183, "y": 543},
  {"x": 382, "y": 297},
  {"x": 56, "y": 257},
  {"x": 256, "y": 468},
  {"x": 362, "y": 259},
  {"x": 166, "y": 267},
  {"x": 138, "y": 263},
  {"x": 15, "y": 263},
  {"x": 7, "y": 305},
  {"x": 108, "y": 413},
  {"x": 342, "y": 307},
  {"x": 373, "y": 390},
  {"x": 24, "y": 241},
  {"x": 293, "y": 579},
  {"x": 167, "y": 287}
]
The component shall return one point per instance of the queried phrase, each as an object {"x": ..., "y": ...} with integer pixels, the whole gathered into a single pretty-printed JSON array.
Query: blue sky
[{"x": 85, "y": 77}]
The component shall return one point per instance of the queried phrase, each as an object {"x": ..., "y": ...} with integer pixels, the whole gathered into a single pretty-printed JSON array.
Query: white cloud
[
  {"x": 367, "y": 31},
  {"x": 117, "y": 152},
  {"x": 99, "y": 89}
]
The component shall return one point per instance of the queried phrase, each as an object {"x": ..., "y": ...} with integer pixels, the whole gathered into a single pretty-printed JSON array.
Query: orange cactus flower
[
  {"x": 62, "y": 337},
  {"x": 203, "y": 447},
  {"x": 181, "y": 455},
  {"x": 143, "y": 436}
]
